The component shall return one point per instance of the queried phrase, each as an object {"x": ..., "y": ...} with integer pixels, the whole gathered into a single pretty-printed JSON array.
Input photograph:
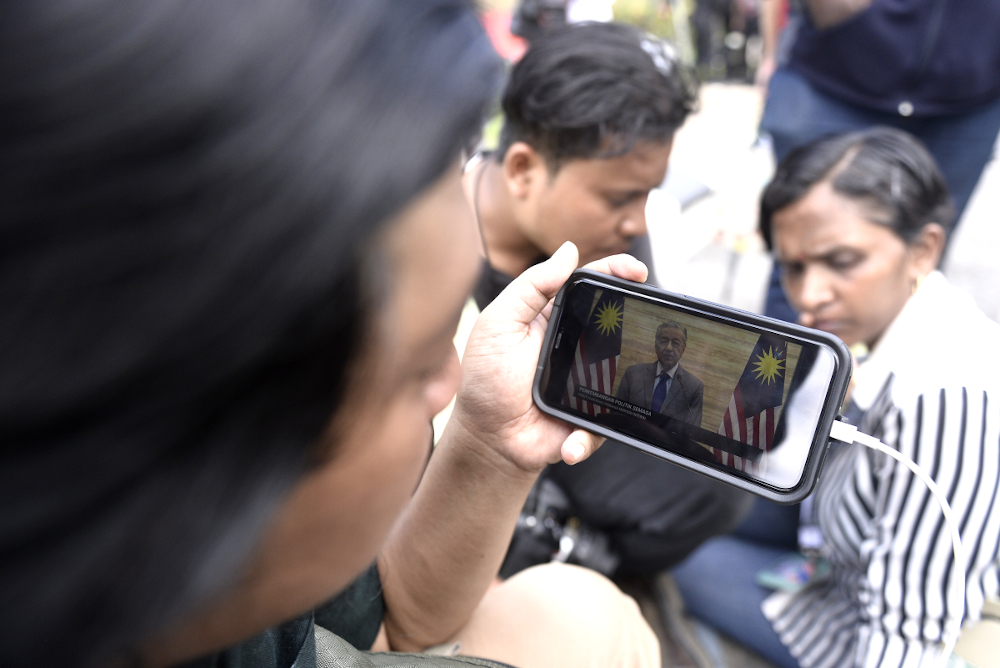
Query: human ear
[
  {"x": 523, "y": 169},
  {"x": 926, "y": 250}
]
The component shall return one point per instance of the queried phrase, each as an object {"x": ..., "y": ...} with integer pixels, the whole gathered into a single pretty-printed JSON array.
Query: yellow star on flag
[
  {"x": 609, "y": 318},
  {"x": 768, "y": 366}
]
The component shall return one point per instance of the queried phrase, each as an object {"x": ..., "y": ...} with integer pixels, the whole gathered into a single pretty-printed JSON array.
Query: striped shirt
[{"x": 929, "y": 389}]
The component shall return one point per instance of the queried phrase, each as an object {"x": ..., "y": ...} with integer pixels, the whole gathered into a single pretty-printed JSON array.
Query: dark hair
[
  {"x": 887, "y": 170},
  {"x": 189, "y": 191},
  {"x": 593, "y": 90}
]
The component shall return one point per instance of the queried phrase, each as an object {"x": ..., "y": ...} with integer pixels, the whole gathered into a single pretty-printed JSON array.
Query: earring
[{"x": 916, "y": 284}]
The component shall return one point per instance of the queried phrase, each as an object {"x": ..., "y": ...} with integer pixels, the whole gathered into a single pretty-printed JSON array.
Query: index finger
[{"x": 623, "y": 266}]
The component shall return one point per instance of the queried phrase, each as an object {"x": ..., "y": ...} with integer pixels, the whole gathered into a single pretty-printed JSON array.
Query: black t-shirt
[{"x": 493, "y": 281}]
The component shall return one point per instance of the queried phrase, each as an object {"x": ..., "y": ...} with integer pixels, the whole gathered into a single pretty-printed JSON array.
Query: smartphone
[{"x": 732, "y": 395}]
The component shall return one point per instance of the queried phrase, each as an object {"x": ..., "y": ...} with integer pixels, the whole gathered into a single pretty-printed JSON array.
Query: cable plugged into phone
[
  {"x": 609, "y": 341},
  {"x": 846, "y": 433}
]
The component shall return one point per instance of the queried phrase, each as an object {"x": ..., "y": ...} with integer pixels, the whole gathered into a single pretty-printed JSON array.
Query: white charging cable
[{"x": 846, "y": 433}]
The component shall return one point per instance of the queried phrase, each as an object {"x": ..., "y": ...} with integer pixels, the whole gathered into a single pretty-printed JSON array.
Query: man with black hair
[
  {"x": 233, "y": 251},
  {"x": 589, "y": 118}
]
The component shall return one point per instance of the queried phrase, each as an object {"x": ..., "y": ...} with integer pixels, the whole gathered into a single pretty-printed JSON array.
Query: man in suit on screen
[{"x": 664, "y": 386}]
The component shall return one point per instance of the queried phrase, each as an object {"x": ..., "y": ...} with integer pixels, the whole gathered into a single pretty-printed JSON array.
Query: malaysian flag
[
  {"x": 753, "y": 409},
  {"x": 596, "y": 359}
]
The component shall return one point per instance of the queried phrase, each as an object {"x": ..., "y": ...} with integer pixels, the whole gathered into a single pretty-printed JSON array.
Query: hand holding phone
[
  {"x": 495, "y": 403},
  {"x": 735, "y": 396}
]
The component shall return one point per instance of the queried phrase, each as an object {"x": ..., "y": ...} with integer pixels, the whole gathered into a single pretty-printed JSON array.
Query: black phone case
[{"x": 817, "y": 449}]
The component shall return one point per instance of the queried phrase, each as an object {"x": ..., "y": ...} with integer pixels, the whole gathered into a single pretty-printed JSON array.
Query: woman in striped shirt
[{"x": 858, "y": 224}]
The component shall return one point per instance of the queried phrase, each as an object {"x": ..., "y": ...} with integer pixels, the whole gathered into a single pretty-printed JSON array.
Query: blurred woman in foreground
[
  {"x": 234, "y": 248},
  {"x": 858, "y": 223}
]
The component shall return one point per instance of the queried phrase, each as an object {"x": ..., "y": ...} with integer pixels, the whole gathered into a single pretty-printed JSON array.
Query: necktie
[{"x": 660, "y": 392}]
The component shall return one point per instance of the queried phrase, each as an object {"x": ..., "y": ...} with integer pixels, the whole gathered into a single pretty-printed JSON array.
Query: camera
[{"x": 548, "y": 531}]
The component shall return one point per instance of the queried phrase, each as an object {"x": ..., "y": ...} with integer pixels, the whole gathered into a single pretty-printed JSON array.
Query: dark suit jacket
[{"x": 683, "y": 399}]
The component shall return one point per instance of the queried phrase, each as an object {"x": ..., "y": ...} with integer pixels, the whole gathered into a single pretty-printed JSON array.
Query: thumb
[
  {"x": 579, "y": 445},
  {"x": 529, "y": 293}
]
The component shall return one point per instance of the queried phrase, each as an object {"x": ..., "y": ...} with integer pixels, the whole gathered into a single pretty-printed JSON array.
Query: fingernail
[{"x": 576, "y": 451}]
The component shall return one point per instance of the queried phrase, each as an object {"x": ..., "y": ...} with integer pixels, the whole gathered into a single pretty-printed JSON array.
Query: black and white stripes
[
  {"x": 932, "y": 392},
  {"x": 892, "y": 588}
]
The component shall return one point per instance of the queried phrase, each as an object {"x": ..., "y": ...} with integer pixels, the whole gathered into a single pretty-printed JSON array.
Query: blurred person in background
[
  {"x": 858, "y": 223},
  {"x": 533, "y": 19},
  {"x": 589, "y": 118},
  {"x": 234, "y": 250},
  {"x": 710, "y": 22},
  {"x": 929, "y": 67},
  {"x": 727, "y": 41}
]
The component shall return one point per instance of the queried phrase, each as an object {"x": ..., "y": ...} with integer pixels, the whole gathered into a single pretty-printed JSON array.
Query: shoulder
[
  {"x": 969, "y": 359},
  {"x": 643, "y": 367},
  {"x": 638, "y": 370},
  {"x": 941, "y": 341},
  {"x": 639, "y": 373},
  {"x": 688, "y": 378}
]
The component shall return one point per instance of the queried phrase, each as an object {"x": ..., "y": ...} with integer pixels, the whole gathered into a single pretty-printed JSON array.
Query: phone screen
[{"x": 711, "y": 387}]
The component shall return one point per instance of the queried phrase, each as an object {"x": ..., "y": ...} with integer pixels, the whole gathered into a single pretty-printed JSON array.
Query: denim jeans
[{"x": 718, "y": 584}]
